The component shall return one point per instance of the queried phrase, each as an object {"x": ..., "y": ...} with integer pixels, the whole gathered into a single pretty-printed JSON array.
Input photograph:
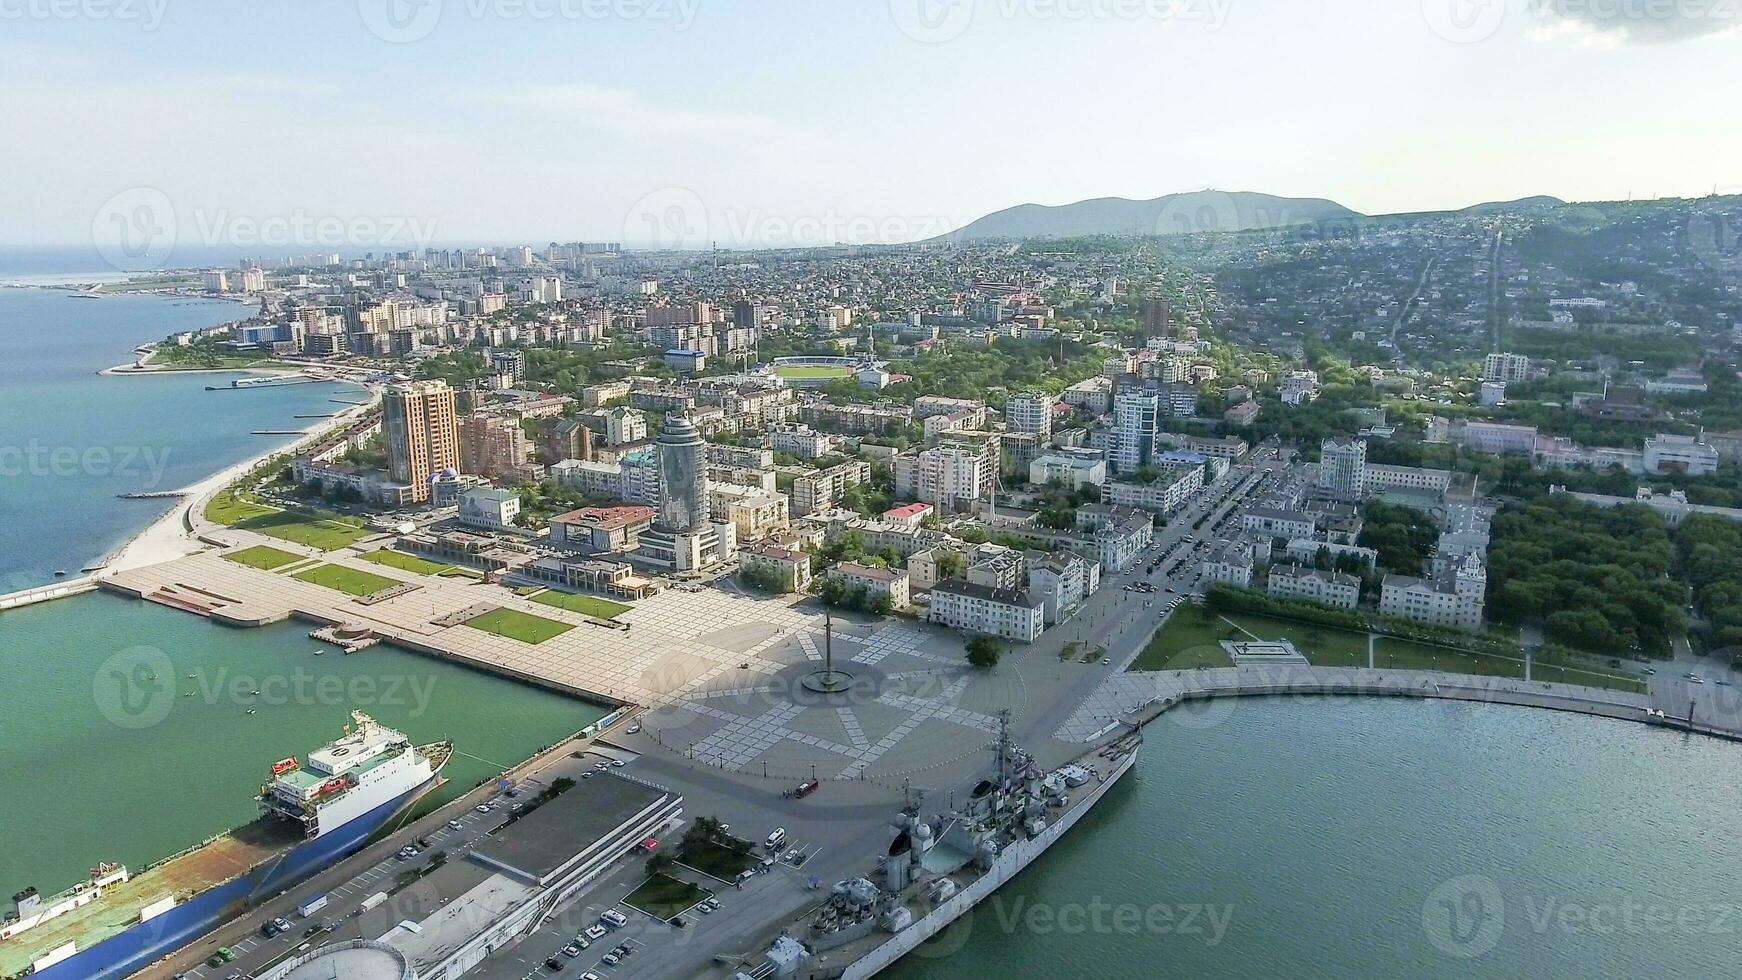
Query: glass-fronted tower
[{"x": 683, "y": 498}]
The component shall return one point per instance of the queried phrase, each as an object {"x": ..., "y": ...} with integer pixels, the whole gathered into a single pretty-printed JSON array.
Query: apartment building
[{"x": 962, "y": 605}]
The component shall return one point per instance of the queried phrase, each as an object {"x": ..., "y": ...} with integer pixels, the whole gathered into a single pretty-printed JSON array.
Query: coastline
[{"x": 175, "y": 533}]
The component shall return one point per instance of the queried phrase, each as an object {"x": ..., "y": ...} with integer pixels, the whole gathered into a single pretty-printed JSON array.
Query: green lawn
[
  {"x": 1187, "y": 642},
  {"x": 714, "y": 860},
  {"x": 228, "y": 507},
  {"x": 664, "y": 897},
  {"x": 1392, "y": 652},
  {"x": 814, "y": 372},
  {"x": 327, "y": 533},
  {"x": 348, "y": 580},
  {"x": 1323, "y": 646},
  {"x": 1190, "y": 637},
  {"x": 405, "y": 562},
  {"x": 263, "y": 557},
  {"x": 517, "y": 625},
  {"x": 586, "y": 605}
]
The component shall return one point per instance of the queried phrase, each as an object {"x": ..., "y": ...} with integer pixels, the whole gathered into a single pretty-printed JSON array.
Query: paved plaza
[{"x": 719, "y": 670}]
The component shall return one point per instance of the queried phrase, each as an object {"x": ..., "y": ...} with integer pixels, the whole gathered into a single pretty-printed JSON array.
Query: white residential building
[
  {"x": 963, "y": 605},
  {"x": 1136, "y": 421},
  {"x": 1029, "y": 411},
  {"x": 1075, "y": 469},
  {"x": 1506, "y": 368},
  {"x": 1453, "y": 599},
  {"x": 1312, "y": 585},
  {"x": 1062, "y": 581},
  {"x": 1343, "y": 468},
  {"x": 1679, "y": 454}
]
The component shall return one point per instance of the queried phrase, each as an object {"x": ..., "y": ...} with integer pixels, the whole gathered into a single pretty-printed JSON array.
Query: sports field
[
  {"x": 517, "y": 625},
  {"x": 813, "y": 371},
  {"x": 350, "y": 581}
]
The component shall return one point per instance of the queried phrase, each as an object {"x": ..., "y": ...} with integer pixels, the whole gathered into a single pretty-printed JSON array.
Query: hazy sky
[{"x": 341, "y": 125}]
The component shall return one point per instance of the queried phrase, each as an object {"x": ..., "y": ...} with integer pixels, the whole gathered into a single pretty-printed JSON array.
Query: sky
[{"x": 345, "y": 125}]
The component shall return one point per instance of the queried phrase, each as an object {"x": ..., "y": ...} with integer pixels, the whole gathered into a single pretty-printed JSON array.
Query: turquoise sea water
[
  {"x": 98, "y": 766},
  {"x": 70, "y": 440},
  {"x": 96, "y": 761},
  {"x": 1335, "y": 838}
]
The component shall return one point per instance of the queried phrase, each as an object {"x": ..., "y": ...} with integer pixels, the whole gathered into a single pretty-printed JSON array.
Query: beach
[{"x": 176, "y": 533}]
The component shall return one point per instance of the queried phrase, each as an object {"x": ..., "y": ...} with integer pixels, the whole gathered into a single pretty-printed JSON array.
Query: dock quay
[{"x": 45, "y": 593}]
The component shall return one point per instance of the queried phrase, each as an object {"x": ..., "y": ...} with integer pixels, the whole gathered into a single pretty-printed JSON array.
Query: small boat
[
  {"x": 60, "y": 573},
  {"x": 253, "y": 694},
  {"x": 250, "y": 710}
]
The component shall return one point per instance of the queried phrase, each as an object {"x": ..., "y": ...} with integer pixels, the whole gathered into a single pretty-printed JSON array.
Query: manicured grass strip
[
  {"x": 517, "y": 625},
  {"x": 1323, "y": 646},
  {"x": 1188, "y": 641},
  {"x": 813, "y": 371},
  {"x": 347, "y": 580},
  {"x": 325, "y": 533},
  {"x": 1556, "y": 674},
  {"x": 405, "y": 562},
  {"x": 586, "y": 605},
  {"x": 459, "y": 571},
  {"x": 1392, "y": 652},
  {"x": 664, "y": 897},
  {"x": 227, "y": 507},
  {"x": 263, "y": 557},
  {"x": 715, "y": 860}
]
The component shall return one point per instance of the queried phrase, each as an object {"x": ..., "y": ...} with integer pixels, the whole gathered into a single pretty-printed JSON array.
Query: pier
[{"x": 45, "y": 593}]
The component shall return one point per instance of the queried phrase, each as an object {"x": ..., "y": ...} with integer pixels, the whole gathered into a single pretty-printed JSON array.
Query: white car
[{"x": 594, "y": 932}]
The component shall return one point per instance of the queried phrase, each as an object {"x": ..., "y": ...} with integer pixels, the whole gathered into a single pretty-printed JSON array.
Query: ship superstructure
[
  {"x": 315, "y": 813},
  {"x": 347, "y": 778},
  {"x": 938, "y": 868}
]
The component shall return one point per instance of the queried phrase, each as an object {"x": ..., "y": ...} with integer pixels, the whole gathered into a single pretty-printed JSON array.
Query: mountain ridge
[{"x": 1188, "y": 212}]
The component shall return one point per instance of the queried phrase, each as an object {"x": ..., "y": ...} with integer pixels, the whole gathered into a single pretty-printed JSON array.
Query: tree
[{"x": 984, "y": 652}]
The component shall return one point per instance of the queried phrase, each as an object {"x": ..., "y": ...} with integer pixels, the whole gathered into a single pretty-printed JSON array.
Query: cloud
[{"x": 1611, "y": 23}]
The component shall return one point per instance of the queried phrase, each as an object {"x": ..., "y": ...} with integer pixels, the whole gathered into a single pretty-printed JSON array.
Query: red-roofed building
[
  {"x": 908, "y": 515},
  {"x": 601, "y": 529}
]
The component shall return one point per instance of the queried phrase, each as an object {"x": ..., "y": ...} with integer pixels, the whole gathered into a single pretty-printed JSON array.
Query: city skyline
[{"x": 496, "y": 122}]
